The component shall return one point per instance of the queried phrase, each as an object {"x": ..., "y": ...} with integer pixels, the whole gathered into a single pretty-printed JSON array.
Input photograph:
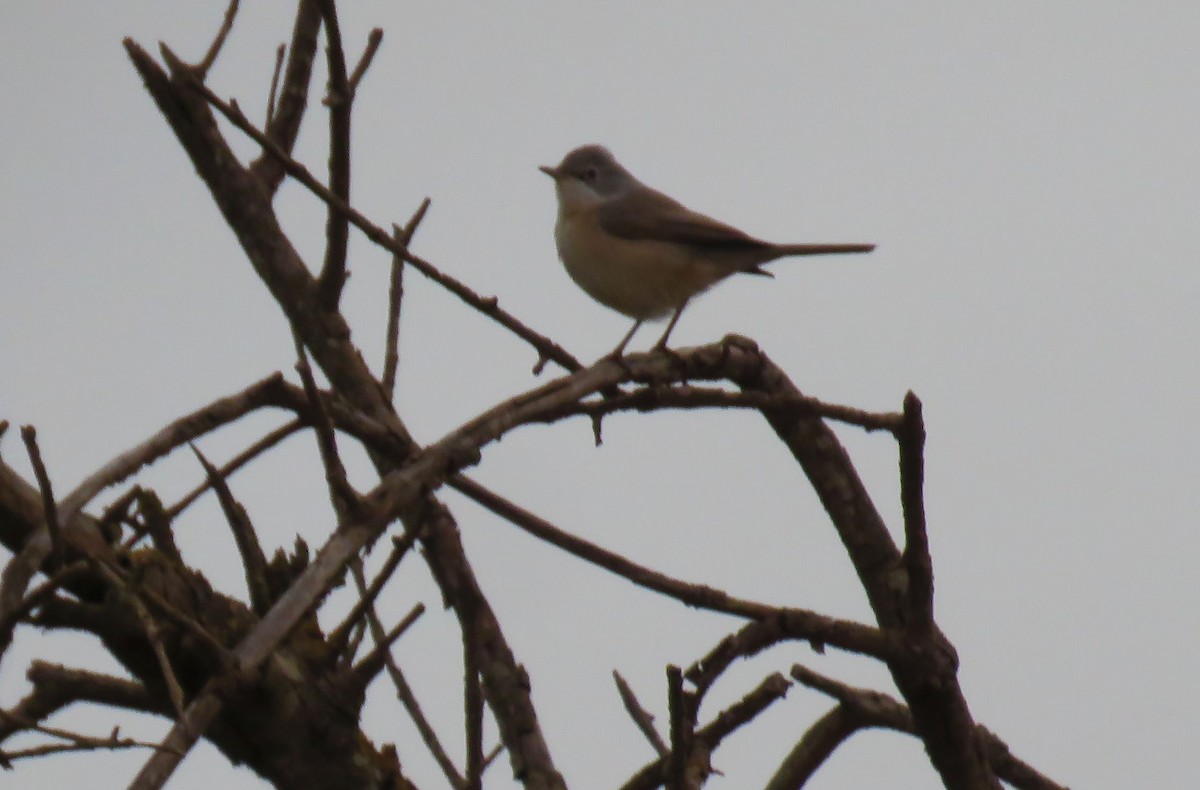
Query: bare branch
[
  {"x": 237, "y": 462},
  {"x": 814, "y": 748},
  {"x": 685, "y": 396},
  {"x": 405, "y": 694},
  {"x": 472, "y": 714},
  {"x": 372, "y": 664},
  {"x": 859, "y": 708},
  {"x": 219, "y": 41},
  {"x": 489, "y": 306},
  {"x": 254, "y": 561},
  {"x": 75, "y": 742},
  {"x": 791, "y": 623},
  {"x": 345, "y": 498},
  {"x": 337, "y": 229},
  {"x": 179, "y": 432},
  {"x": 691, "y": 770},
  {"x": 391, "y": 361},
  {"x": 155, "y": 521},
  {"x": 773, "y": 688},
  {"x": 283, "y": 125},
  {"x": 641, "y": 717},
  {"x": 366, "y": 602},
  {"x": 154, "y": 637},
  {"x": 911, "y": 438},
  {"x": 683, "y": 724},
  {"x": 49, "y": 509},
  {"x": 272, "y": 94},
  {"x": 374, "y": 39}
]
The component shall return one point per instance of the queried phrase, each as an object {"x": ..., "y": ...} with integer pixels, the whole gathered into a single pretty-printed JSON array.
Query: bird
[{"x": 644, "y": 254}]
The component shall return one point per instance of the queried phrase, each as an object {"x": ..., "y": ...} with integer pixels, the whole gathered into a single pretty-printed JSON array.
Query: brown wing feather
[{"x": 649, "y": 215}]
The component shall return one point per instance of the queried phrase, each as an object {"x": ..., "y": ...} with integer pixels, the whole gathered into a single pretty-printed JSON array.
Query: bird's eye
[{"x": 590, "y": 174}]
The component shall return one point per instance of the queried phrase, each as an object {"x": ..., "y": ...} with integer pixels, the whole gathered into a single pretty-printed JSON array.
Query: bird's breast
[{"x": 643, "y": 279}]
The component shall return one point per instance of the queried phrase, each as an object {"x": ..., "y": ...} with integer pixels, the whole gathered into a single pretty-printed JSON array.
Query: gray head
[{"x": 592, "y": 167}]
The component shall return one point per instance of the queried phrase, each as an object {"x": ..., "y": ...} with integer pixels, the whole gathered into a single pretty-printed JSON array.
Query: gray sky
[{"x": 1030, "y": 173}]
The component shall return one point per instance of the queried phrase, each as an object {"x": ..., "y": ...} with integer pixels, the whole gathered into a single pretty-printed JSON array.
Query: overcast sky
[{"x": 1030, "y": 172}]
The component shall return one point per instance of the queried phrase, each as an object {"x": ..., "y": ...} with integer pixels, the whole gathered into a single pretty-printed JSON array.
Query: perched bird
[{"x": 643, "y": 254}]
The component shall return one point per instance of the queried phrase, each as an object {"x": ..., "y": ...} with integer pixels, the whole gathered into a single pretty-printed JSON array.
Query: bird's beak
[{"x": 550, "y": 171}]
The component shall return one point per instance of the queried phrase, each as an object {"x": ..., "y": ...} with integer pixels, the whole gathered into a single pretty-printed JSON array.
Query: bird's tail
[
  {"x": 776, "y": 251},
  {"x": 785, "y": 250}
]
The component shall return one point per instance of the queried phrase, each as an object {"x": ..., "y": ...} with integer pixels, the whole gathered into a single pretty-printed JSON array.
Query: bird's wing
[{"x": 649, "y": 215}]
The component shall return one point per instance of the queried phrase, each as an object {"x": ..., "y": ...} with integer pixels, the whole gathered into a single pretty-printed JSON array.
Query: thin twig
[
  {"x": 49, "y": 509},
  {"x": 10, "y": 619},
  {"x": 917, "y": 562},
  {"x": 291, "y": 98},
  {"x": 337, "y": 229},
  {"x": 472, "y": 712},
  {"x": 271, "y": 96},
  {"x": 491, "y": 756},
  {"x": 686, "y": 396},
  {"x": 56, "y": 687},
  {"x": 695, "y": 765},
  {"x": 117, "y": 513},
  {"x": 366, "y": 602},
  {"x": 254, "y": 561},
  {"x": 374, "y": 39},
  {"x": 864, "y": 708},
  {"x": 773, "y": 687},
  {"x": 76, "y": 742},
  {"x": 797, "y": 623},
  {"x": 681, "y": 730},
  {"x": 177, "y": 433},
  {"x": 373, "y": 662},
  {"x": 405, "y": 694},
  {"x": 219, "y": 41},
  {"x": 345, "y": 498},
  {"x": 237, "y": 462},
  {"x": 154, "y": 520},
  {"x": 641, "y": 717},
  {"x": 489, "y": 306},
  {"x": 154, "y": 637},
  {"x": 391, "y": 360}
]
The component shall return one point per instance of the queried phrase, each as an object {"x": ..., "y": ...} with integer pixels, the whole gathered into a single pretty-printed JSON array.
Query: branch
[
  {"x": 219, "y": 41},
  {"x": 641, "y": 717},
  {"x": 489, "y": 305},
  {"x": 683, "y": 723},
  {"x": 273, "y": 93},
  {"x": 283, "y": 126},
  {"x": 177, "y": 433},
  {"x": 337, "y": 229},
  {"x": 911, "y": 438},
  {"x": 339, "y": 636},
  {"x": 773, "y": 688},
  {"x": 372, "y": 664},
  {"x": 76, "y": 742},
  {"x": 345, "y": 499},
  {"x": 791, "y": 623},
  {"x": 49, "y": 509},
  {"x": 237, "y": 462},
  {"x": 685, "y": 396},
  {"x": 692, "y": 769},
  {"x": 254, "y": 561},
  {"x": 472, "y": 713},
  {"x": 405, "y": 694},
  {"x": 246, "y": 208},
  {"x": 391, "y": 359},
  {"x": 55, "y": 687},
  {"x": 374, "y": 39},
  {"x": 861, "y": 708}
]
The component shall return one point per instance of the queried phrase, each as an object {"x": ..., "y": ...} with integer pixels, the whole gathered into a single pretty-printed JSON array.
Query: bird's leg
[
  {"x": 620, "y": 349},
  {"x": 661, "y": 345}
]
